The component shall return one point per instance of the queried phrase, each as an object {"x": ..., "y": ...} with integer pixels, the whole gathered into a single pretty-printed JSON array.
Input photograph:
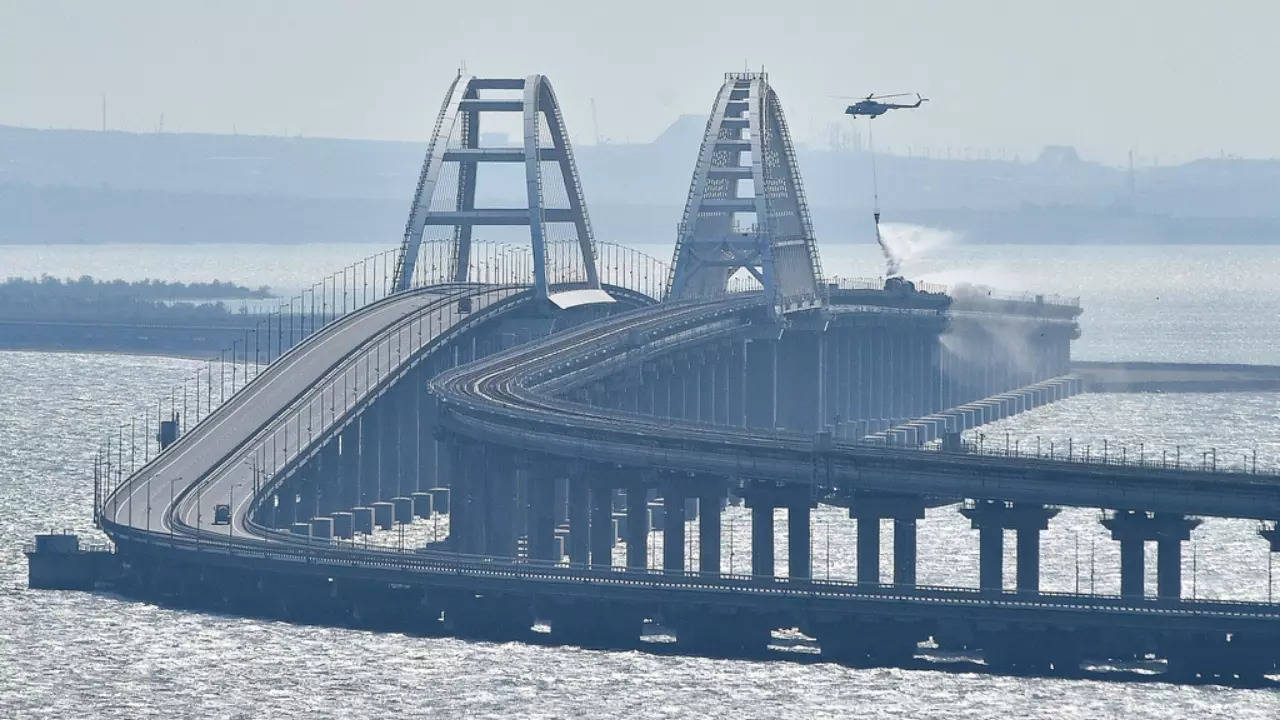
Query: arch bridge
[{"x": 556, "y": 412}]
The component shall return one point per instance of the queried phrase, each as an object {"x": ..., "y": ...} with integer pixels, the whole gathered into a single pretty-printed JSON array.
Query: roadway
[
  {"x": 515, "y": 398},
  {"x": 293, "y": 400}
]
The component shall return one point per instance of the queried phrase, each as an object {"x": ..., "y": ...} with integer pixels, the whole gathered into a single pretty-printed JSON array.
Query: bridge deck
[{"x": 296, "y": 398}]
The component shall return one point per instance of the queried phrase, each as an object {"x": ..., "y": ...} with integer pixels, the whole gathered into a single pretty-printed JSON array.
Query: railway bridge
[{"x": 578, "y": 416}]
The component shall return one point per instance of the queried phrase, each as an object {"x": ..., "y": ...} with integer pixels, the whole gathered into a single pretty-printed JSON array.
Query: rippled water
[{"x": 69, "y": 654}]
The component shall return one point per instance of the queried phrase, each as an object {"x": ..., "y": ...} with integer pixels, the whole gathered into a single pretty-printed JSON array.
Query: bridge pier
[
  {"x": 601, "y": 524},
  {"x": 540, "y": 520},
  {"x": 761, "y": 386},
  {"x": 673, "y": 501},
  {"x": 286, "y": 506},
  {"x": 761, "y": 534},
  {"x": 637, "y": 531},
  {"x": 349, "y": 466},
  {"x": 991, "y": 518},
  {"x": 709, "y": 508},
  {"x": 869, "y": 509},
  {"x": 579, "y": 518},
  {"x": 799, "y": 373},
  {"x": 1133, "y": 528},
  {"x": 799, "y": 549},
  {"x": 500, "y": 505}
]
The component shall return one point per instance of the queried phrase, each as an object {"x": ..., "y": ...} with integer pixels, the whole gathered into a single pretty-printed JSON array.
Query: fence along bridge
[{"x": 548, "y": 402}]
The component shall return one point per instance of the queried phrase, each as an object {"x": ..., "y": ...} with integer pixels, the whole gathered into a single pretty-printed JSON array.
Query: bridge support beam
[
  {"x": 601, "y": 524},
  {"x": 869, "y": 509},
  {"x": 761, "y": 387},
  {"x": 540, "y": 513},
  {"x": 761, "y": 536},
  {"x": 1133, "y": 528},
  {"x": 799, "y": 389},
  {"x": 673, "y": 498},
  {"x": 709, "y": 508},
  {"x": 579, "y": 519},
  {"x": 991, "y": 518},
  {"x": 637, "y": 526},
  {"x": 799, "y": 549}
]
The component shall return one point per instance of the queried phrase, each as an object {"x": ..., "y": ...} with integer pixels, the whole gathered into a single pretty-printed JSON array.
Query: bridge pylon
[
  {"x": 746, "y": 208},
  {"x": 563, "y": 264}
]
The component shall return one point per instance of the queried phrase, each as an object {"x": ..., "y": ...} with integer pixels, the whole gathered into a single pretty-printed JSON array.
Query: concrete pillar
[
  {"x": 286, "y": 506},
  {"x": 709, "y": 533},
  {"x": 322, "y": 527},
  {"x": 500, "y": 506},
  {"x": 1132, "y": 529},
  {"x": 579, "y": 519},
  {"x": 761, "y": 384},
  {"x": 1169, "y": 568},
  {"x": 799, "y": 550},
  {"x": 422, "y": 504},
  {"x": 991, "y": 557},
  {"x": 1132, "y": 567},
  {"x": 349, "y": 466},
  {"x": 308, "y": 492},
  {"x": 762, "y": 538},
  {"x": 540, "y": 519},
  {"x": 1028, "y": 542},
  {"x": 904, "y": 552},
  {"x": 362, "y": 520},
  {"x": 403, "y": 509},
  {"x": 991, "y": 518},
  {"x": 637, "y": 534},
  {"x": 734, "y": 379},
  {"x": 383, "y": 514},
  {"x": 868, "y": 548},
  {"x": 343, "y": 525},
  {"x": 673, "y": 529},
  {"x": 601, "y": 525}
]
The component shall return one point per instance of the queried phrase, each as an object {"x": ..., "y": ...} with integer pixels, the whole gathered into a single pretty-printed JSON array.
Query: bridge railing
[
  {"x": 1103, "y": 452},
  {"x": 338, "y": 554},
  {"x": 149, "y": 428}
]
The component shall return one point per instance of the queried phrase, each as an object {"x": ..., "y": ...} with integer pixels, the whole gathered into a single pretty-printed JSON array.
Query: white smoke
[{"x": 906, "y": 246}]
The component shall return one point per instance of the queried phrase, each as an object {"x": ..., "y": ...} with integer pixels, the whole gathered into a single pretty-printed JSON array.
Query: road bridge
[{"x": 544, "y": 402}]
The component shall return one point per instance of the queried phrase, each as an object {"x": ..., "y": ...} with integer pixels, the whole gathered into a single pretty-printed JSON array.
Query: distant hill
[{"x": 60, "y": 186}]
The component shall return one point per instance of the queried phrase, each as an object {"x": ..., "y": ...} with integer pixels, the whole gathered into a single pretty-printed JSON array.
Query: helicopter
[{"x": 871, "y": 106}]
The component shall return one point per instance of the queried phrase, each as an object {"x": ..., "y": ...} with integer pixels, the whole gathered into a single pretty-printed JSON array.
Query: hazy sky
[{"x": 1172, "y": 80}]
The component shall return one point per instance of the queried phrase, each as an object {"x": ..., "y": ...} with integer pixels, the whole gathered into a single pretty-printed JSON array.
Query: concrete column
[
  {"x": 709, "y": 533},
  {"x": 540, "y": 520},
  {"x": 579, "y": 519},
  {"x": 868, "y": 548},
  {"x": 500, "y": 504},
  {"x": 349, "y": 466},
  {"x": 367, "y": 478},
  {"x": 799, "y": 560},
  {"x": 762, "y": 538},
  {"x": 601, "y": 525},
  {"x": 286, "y": 506},
  {"x": 1132, "y": 567},
  {"x": 734, "y": 378},
  {"x": 904, "y": 552},
  {"x": 1132, "y": 529},
  {"x": 1169, "y": 568},
  {"x": 673, "y": 529},
  {"x": 1028, "y": 540},
  {"x": 761, "y": 384},
  {"x": 637, "y": 527},
  {"x": 991, "y": 557}
]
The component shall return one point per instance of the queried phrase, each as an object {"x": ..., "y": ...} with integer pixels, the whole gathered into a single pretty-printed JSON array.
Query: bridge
[{"x": 551, "y": 402}]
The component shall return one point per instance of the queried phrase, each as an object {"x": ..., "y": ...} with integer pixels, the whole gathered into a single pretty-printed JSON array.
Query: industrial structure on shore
[{"x": 555, "y": 400}]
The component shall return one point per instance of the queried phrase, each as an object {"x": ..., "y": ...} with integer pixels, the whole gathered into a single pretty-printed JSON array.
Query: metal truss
[
  {"x": 564, "y": 254},
  {"x": 764, "y": 228}
]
